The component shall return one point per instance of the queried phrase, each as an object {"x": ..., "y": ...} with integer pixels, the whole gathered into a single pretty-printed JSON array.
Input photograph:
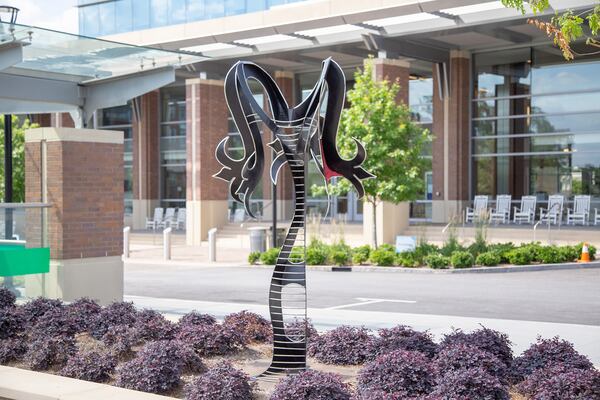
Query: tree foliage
[
  {"x": 394, "y": 143},
  {"x": 565, "y": 28},
  {"x": 18, "y": 156}
]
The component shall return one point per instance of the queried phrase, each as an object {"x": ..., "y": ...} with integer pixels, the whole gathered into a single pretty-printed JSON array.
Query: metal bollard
[
  {"x": 126, "y": 231},
  {"x": 167, "y": 243},
  {"x": 212, "y": 245}
]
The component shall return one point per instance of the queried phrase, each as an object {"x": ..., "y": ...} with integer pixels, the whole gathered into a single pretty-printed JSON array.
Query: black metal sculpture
[{"x": 303, "y": 132}]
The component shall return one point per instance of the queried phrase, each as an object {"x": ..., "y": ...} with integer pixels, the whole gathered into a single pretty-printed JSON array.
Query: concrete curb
[
  {"x": 474, "y": 270},
  {"x": 23, "y": 384}
]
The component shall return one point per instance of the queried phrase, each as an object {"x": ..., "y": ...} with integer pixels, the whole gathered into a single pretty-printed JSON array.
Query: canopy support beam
[{"x": 11, "y": 53}]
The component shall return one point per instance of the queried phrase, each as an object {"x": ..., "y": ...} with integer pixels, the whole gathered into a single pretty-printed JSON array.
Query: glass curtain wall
[
  {"x": 172, "y": 146},
  {"x": 119, "y": 119},
  {"x": 420, "y": 100},
  {"x": 97, "y": 18},
  {"x": 536, "y": 124}
]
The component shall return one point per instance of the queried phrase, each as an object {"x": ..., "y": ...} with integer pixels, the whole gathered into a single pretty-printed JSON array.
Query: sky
[{"x": 59, "y": 15}]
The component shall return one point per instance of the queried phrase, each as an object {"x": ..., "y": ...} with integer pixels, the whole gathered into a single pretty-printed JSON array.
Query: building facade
[{"x": 509, "y": 115}]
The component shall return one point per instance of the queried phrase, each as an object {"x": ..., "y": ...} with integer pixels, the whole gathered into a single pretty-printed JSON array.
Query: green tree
[
  {"x": 565, "y": 28},
  {"x": 20, "y": 125},
  {"x": 394, "y": 143}
]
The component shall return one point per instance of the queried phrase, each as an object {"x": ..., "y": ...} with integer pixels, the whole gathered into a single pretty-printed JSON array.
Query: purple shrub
[
  {"x": 7, "y": 298},
  {"x": 312, "y": 385},
  {"x": 152, "y": 325},
  {"x": 561, "y": 382},
  {"x": 300, "y": 327},
  {"x": 344, "y": 345},
  {"x": 403, "y": 337},
  {"x": 191, "y": 361},
  {"x": 54, "y": 322},
  {"x": 547, "y": 352},
  {"x": 462, "y": 356},
  {"x": 12, "y": 349},
  {"x": 195, "y": 318},
  {"x": 121, "y": 338},
  {"x": 253, "y": 327},
  {"x": 38, "y": 307},
  {"x": 400, "y": 372},
  {"x": 211, "y": 340},
  {"x": 156, "y": 368},
  {"x": 222, "y": 382},
  {"x": 90, "y": 366},
  {"x": 485, "y": 339},
  {"x": 83, "y": 312},
  {"x": 469, "y": 384},
  {"x": 44, "y": 353},
  {"x": 12, "y": 322},
  {"x": 117, "y": 313}
]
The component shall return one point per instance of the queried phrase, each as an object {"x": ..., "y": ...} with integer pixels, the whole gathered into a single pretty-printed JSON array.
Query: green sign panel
[{"x": 19, "y": 260}]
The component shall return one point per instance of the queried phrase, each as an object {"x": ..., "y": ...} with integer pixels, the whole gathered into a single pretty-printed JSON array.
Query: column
[
  {"x": 80, "y": 172},
  {"x": 438, "y": 150},
  {"x": 451, "y": 154},
  {"x": 391, "y": 219},
  {"x": 206, "y": 199},
  {"x": 146, "y": 163}
]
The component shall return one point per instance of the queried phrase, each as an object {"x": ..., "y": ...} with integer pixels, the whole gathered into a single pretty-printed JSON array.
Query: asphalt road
[{"x": 571, "y": 297}]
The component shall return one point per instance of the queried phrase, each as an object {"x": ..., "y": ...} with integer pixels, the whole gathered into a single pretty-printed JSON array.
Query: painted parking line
[{"x": 366, "y": 301}]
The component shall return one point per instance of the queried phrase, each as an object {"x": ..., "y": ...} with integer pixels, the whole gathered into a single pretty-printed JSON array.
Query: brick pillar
[
  {"x": 206, "y": 116},
  {"x": 391, "y": 219},
  {"x": 83, "y": 170},
  {"x": 451, "y": 147},
  {"x": 61, "y": 120},
  {"x": 43, "y": 120},
  {"x": 146, "y": 137}
]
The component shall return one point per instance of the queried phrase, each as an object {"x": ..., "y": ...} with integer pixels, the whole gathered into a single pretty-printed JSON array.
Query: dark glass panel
[
  {"x": 120, "y": 115},
  {"x": 509, "y": 78},
  {"x": 173, "y": 182}
]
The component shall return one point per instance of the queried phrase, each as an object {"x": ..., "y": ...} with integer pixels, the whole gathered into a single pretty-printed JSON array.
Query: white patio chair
[
  {"x": 553, "y": 214},
  {"x": 580, "y": 213},
  {"x": 168, "y": 218},
  {"x": 596, "y": 216},
  {"x": 155, "y": 221},
  {"x": 180, "y": 221},
  {"x": 525, "y": 213},
  {"x": 479, "y": 208},
  {"x": 502, "y": 211}
]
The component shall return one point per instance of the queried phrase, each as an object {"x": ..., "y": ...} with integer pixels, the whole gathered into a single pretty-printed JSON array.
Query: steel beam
[
  {"x": 117, "y": 90},
  {"x": 11, "y": 53},
  {"x": 379, "y": 43}
]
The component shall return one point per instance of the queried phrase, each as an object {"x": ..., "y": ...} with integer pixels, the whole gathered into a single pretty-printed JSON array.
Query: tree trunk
[{"x": 374, "y": 227}]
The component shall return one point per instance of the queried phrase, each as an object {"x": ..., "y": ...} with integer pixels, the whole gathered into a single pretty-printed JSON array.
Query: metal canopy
[{"x": 48, "y": 71}]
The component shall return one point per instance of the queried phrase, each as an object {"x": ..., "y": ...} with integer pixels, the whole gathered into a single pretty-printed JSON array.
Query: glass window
[
  {"x": 173, "y": 146},
  {"x": 177, "y": 11},
  {"x": 141, "y": 14},
  {"x": 89, "y": 20},
  {"x": 214, "y": 8},
  {"x": 256, "y": 5},
  {"x": 159, "y": 13},
  {"x": 195, "y": 10},
  {"x": 234, "y": 7},
  {"x": 107, "y": 18},
  {"x": 124, "y": 16},
  {"x": 420, "y": 99},
  {"x": 173, "y": 103},
  {"x": 275, "y": 2},
  {"x": 505, "y": 73}
]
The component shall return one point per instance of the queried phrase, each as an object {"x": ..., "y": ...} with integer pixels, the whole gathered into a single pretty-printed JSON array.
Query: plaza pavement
[{"x": 524, "y": 305}]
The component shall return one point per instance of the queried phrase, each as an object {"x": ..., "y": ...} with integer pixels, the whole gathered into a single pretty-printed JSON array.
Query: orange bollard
[{"x": 585, "y": 254}]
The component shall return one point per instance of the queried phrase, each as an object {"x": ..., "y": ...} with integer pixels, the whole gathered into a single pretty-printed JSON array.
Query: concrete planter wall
[{"x": 22, "y": 384}]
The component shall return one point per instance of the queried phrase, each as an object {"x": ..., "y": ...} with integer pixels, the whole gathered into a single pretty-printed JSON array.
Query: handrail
[
  {"x": 25, "y": 205},
  {"x": 447, "y": 226}
]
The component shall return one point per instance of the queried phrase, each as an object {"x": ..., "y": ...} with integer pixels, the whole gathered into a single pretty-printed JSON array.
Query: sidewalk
[{"x": 522, "y": 333}]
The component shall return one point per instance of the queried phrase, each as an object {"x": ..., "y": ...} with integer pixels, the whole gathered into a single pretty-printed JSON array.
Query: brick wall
[
  {"x": 393, "y": 71},
  {"x": 85, "y": 188},
  {"x": 146, "y": 137},
  {"x": 206, "y": 116}
]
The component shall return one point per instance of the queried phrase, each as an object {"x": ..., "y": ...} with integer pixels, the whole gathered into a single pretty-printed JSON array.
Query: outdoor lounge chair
[
  {"x": 596, "y": 216},
  {"x": 168, "y": 219},
  {"x": 180, "y": 221},
  {"x": 479, "y": 208},
  {"x": 580, "y": 213},
  {"x": 502, "y": 211},
  {"x": 525, "y": 213},
  {"x": 155, "y": 221},
  {"x": 553, "y": 214}
]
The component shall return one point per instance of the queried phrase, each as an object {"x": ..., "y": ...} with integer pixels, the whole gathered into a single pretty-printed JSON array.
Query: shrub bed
[
  {"x": 399, "y": 363},
  {"x": 452, "y": 254}
]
